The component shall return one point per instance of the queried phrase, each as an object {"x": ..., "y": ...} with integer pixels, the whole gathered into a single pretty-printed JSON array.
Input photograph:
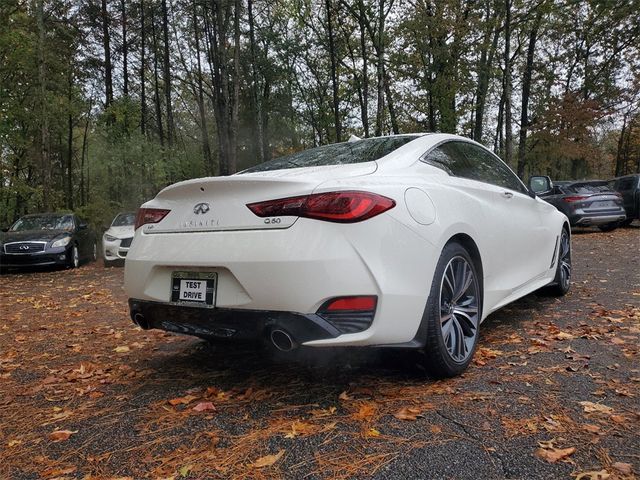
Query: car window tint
[
  {"x": 359, "y": 151},
  {"x": 467, "y": 160},
  {"x": 586, "y": 188},
  {"x": 489, "y": 169},
  {"x": 625, "y": 184},
  {"x": 449, "y": 158}
]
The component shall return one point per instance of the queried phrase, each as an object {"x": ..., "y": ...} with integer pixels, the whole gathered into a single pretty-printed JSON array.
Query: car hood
[
  {"x": 121, "y": 232},
  {"x": 32, "y": 235}
]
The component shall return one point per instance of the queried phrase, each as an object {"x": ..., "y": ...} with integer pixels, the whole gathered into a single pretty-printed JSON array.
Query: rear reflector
[
  {"x": 341, "y": 207},
  {"x": 350, "y": 314},
  {"x": 351, "y": 304},
  {"x": 577, "y": 198},
  {"x": 149, "y": 215}
]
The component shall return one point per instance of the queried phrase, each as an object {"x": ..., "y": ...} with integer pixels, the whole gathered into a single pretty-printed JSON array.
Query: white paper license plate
[
  {"x": 194, "y": 287},
  {"x": 604, "y": 203}
]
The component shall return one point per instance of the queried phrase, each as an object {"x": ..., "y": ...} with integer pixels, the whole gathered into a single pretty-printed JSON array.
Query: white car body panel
[{"x": 299, "y": 263}]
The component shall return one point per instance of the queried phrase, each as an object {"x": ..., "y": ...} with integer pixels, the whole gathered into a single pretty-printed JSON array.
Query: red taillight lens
[
  {"x": 149, "y": 215},
  {"x": 574, "y": 199},
  {"x": 365, "y": 303},
  {"x": 342, "y": 207}
]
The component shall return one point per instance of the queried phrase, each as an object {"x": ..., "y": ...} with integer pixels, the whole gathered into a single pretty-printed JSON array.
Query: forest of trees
[{"x": 104, "y": 102}]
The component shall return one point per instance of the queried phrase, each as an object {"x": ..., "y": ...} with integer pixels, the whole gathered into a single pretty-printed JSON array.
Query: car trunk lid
[{"x": 220, "y": 203}]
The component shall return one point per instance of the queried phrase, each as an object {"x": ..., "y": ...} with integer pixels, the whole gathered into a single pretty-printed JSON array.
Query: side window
[
  {"x": 626, "y": 184},
  {"x": 449, "y": 158},
  {"x": 489, "y": 169}
]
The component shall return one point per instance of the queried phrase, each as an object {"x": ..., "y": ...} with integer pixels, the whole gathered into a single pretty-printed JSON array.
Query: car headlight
[
  {"x": 110, "y": 238},
  {"x": 63, "y": 242}
]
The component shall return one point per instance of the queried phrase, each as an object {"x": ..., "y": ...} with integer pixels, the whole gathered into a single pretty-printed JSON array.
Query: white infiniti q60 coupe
[{"x": 397, "y": 241}]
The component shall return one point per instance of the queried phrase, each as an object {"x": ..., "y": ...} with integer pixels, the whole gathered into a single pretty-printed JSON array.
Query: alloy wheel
[
  {"x": 459, "y": 308},
  {"x": 565, "y": 260},
  {"x": 75, "y": 257}
]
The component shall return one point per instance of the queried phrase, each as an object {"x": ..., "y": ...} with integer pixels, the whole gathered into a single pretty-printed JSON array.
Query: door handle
[{"x": 507, "y": 194}]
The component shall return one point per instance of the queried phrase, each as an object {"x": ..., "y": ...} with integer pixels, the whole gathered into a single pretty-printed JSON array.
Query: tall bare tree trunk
[
  {"x": 526, "y": 91},
  {"x": 45, "y": 156},
  {"x": 106, "y": 43},
  {"x": 83, "y": 193},
  {"x": 364, "y": 113},
  {"x": 125, "y": 50},
  {"x": 69, "y": 165},
  {"x": 508, "y": 157},
  {"x": 166, "y": 64},
  {"x": 379, "y": 43},
  {"x": 143, "y": 96},
  {"x": 204, "y": 131},
  {"x": 390, "y": 105},
  {"x": 484, "y": 70},
  {"x": 255, "y": 86},
  {"x": 620, "y": 157},
  {"x": 334, "y": 72},
  {"x": 235, "y": 111},
  {"x": 156, "y": 87}
]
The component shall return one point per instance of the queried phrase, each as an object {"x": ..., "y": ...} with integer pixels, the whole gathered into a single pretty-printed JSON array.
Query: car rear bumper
[
  {"x": 297, "y": 269},
  {"x": 230, "y": 324},
  {"x": 594, "y": 219}
]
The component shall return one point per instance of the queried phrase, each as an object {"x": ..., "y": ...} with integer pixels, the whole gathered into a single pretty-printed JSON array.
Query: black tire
[
  {"x": 609, "y": 227},
  {"x": 562, "y": 279},
  {"x": 449, "y": 354},
  {"x": 627, "y": 222},
  {"x": 74, "y": 257}
]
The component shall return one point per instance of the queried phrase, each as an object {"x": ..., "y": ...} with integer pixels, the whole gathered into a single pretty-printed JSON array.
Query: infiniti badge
[
  {"x": 24, "y": 247},
  {"x": 201, "y": 208}
]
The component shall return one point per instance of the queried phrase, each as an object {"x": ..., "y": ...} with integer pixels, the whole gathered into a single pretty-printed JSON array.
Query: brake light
[
  {"x": 341, "y": 207},
  {"x": 577, "y": 198},
  {"x": 149, "y": 215},
  {"x": 364, "y": 303}
]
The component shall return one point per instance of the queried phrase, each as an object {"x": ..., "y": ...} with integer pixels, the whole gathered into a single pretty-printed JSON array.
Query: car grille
[
  {"x": 24, "y": 247},
  {"x": 126, "y": 242}
]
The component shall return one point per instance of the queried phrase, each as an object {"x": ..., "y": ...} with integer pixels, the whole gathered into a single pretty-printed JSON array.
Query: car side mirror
[
  {"x": 540, "y": 184},
  {"x": 83, "y": 226}
]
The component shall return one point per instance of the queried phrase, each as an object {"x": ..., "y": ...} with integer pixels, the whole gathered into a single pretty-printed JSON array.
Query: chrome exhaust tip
[
  {"x": 282, "y": 340},
  {"x": 138, "y": 319}
]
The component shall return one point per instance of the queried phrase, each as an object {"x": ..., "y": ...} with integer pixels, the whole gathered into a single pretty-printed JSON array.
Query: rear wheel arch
[{"x": 474, "y": 252}]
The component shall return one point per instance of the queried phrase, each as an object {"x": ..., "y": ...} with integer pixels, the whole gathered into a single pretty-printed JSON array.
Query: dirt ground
[{"x": 553, "y": 391}]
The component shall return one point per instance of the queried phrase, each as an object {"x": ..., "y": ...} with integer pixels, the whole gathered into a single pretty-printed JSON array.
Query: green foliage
[{"x": 443, "y": 65}]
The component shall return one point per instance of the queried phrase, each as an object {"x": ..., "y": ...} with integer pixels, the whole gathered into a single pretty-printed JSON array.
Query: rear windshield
[
  {"x": 359, "y": 151},
  {"x": 585, "y": 188}
]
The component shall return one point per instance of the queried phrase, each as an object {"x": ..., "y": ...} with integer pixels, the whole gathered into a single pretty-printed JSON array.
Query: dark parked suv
[
  {"x": 629, "y": 187},
  {"x": 585, "y": 203}
]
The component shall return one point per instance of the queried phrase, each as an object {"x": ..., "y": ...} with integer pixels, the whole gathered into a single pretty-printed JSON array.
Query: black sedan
[
  {"x": 585, "y": 203},
  {"x": 47, "y": 239}
]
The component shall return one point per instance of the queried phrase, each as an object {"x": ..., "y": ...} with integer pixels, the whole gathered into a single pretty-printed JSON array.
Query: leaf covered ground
[{"x": 553, "y": 391}]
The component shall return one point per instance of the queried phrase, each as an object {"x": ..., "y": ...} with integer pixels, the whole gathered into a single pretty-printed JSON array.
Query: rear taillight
[
  {"x": 341, "y": 207},
  {"x": 577, "y": 198},
  {"x": 149, "y": 215}
]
